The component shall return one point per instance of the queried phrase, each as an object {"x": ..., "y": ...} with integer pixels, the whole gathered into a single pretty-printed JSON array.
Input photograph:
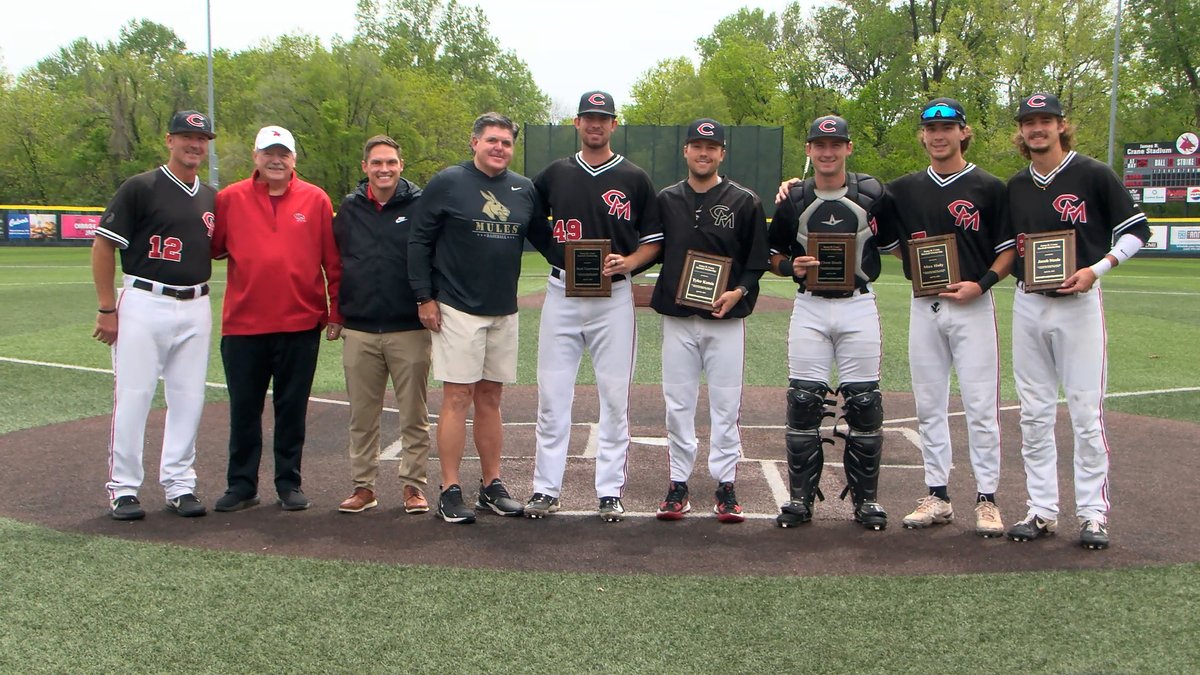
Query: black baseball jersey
[
  {"x": 851, "y": 209},
  {"x": 726, "y": 220},
  {"x": 163, "y": 227},
  {"x": 614, "y": 201},
  {"x": 970, "y": 204},
  {"x": 1080, "y": 194}
]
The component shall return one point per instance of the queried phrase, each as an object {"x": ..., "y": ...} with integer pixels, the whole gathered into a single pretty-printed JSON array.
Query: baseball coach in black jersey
[
  {"x": 464, "y": 258},
  {"x": 710, "y": 214},
  {"x": 160, "y": 324},
  {"x": 831, "y": 326},
  {"x": 957, "y": 327},
  {"x": 1059, "y": 335}
]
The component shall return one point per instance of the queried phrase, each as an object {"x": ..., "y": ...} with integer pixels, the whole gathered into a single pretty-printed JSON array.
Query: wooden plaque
[
  {"x": 1049, "y": 260},
  {"x": 704, "y": 279},
  {"x": 585, "y": 267},
  {"x": 933, "y": 262},
  {"x": 836, "y": 253}
]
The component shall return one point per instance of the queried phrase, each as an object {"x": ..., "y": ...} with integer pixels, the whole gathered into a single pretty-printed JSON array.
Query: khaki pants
[{"x": 368, "y": 359}]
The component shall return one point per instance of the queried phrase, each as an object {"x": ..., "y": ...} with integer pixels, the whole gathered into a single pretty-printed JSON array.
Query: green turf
[{"x": 92, "y": 604}]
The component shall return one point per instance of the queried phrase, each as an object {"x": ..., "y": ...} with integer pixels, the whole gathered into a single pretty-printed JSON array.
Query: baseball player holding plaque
[
  {"x": 831, "y": 327},
  {"x": 594, "y": 194},
  {"x": 956, "y": 327},
  {"x": 709, "y": 217},
  {"x": 1059, "y": 335}
]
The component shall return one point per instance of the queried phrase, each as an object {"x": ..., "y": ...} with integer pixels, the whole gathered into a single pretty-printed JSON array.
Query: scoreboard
[{"x": 1157, "y": 173}]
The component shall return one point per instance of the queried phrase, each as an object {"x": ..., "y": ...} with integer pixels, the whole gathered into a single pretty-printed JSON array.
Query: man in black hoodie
[{"x": 383, "y": 335}]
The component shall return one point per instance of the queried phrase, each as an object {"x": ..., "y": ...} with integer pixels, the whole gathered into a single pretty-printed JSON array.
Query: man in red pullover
[{"x": 282, "y": 289}]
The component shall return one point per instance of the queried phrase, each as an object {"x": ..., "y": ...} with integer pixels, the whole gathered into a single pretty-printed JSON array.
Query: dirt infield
[{"x": 54, "y": 477}]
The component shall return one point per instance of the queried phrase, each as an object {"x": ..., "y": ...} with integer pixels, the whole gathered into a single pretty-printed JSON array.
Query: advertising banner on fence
[
  {"x": 43, "y": 226},
  {"x": 1185, "y": 239},
  {"x": 79, "y": 227},
  {"x": 18, "y": 226},
  {"x": 1158, "y": 239}
]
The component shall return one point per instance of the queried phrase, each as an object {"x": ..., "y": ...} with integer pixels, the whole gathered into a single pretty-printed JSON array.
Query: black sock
[
  {"x": 940, "y": 492},
  {"x": 986, "y": 497}
]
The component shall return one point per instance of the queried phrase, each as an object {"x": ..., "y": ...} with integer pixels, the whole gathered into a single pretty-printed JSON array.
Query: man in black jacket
[{"x": 383, "y": 335}]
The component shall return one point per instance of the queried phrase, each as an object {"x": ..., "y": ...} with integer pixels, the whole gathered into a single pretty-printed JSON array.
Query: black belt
[
  {"x": 836, "y": 295},
  {"x": 177, "y": 293},
  {"x": 558, "y": 274}
]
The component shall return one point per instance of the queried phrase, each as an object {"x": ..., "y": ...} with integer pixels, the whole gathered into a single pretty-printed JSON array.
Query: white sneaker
[
  {"x": 931, "y": 510},
  {"x": 987, "y": 520}
]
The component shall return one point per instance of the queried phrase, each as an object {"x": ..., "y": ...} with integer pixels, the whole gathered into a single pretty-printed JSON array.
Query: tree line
[{"x": 76, "y": 124}]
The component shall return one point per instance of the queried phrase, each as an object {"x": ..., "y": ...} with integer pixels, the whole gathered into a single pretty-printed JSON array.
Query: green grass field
[{"x": 92, "y": 604}]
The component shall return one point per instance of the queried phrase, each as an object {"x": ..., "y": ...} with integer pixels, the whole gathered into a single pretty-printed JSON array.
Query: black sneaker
[
  {"x": 793, "y": 513},
  {"x": 611, "y": 510},
  {"x": 540, "y": 505},
  {"x": 676, "y": 503},
  {"x": 293, "y": 500},
  {"x": 231, "y": 501},
  {"x": 871, "y": 516},
  {"x": 495, "y": 497},
  {"x": 1033, "y": 527},
  {"x": 1093, "y": 534},
  {"x": 451, "y": 507},
  {"x": 727, "y": 508},
  {"x": 188, "y": 506},
  {"x": 126, "y": 508}
]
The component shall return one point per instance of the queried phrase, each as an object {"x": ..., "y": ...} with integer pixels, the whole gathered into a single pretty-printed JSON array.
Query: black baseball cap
[
  {"x": 191, "y": 122},
  {"x": 1039, "y": 104},
  {"x": 706, "y": 129},
  {"x": 829, "y": 126},
  {"x": 943, "y": 110},
  {"x": 599, "y": 102}
]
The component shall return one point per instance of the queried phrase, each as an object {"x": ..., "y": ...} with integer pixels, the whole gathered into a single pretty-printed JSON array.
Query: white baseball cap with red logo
[{"x": 268, "y": 136}]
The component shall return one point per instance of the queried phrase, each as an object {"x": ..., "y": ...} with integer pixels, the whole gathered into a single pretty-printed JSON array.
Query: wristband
[
  {"x": 1101, "y": 267},
  {"x": 107, "y": 311},
  {"x": 988, "y": 280},
  {"x": 785, "y": 268}
]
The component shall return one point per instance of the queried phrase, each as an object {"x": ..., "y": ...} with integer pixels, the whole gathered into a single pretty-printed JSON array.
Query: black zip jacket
[{"x": 376, "y": 296}]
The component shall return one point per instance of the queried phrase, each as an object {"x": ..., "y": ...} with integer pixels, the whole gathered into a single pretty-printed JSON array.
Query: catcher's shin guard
[
  {"x": 806, "y": 457},
  {"x": 863, "y": 413}
]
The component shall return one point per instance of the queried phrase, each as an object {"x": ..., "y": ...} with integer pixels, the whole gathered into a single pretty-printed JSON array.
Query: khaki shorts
[{"x": 471, "y": 348}]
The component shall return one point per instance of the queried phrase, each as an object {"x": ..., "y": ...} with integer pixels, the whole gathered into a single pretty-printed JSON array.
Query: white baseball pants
[{"x": 824, "y": 331}]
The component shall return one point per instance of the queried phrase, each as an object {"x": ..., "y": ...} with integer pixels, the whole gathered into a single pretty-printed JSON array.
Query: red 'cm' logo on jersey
[
  {"x": 1071, "y": 208},
  {"x": 965, "y": 215},
  {"x": 618, "y": 204}
]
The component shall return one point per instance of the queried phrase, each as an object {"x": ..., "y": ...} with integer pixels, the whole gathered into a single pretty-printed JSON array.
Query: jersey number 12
[{"x": 170, "y": 248}]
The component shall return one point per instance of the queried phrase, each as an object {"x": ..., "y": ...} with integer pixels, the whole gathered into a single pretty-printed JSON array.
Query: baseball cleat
[
  {"x": 231, "y": 501},
  {"x": 451, "y": 507},
  {"x": 187, "y": 505},
  {"x": 540, "y": 505},
  {"x": 126, "y": 508},
  {"x": 675, "y": 504},
  {"x": 987, "y": 519},
  {"x": 727, "y": 508},
  {"x": 871, "y": 516},
  {"x": 611, "y": 510},
  {"x": 495, "y": 497},
  {"x": 931, "y": 510},
  {"x": 1031, "y": 528},
  {"x": 1093, "y": 535},
  {"x": 793, "y": 513}
]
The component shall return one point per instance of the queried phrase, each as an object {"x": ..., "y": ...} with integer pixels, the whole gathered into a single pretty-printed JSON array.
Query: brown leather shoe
[
  {"x": 360, "y": 501},
  {"x": 414, "y": 500}
]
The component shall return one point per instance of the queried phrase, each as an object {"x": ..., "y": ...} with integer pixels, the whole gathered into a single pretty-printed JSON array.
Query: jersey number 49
[{"x": 568, "y": 230}]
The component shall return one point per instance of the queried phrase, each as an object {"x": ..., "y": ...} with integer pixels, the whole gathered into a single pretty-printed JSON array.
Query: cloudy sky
[{"x": 570, "y": 47}]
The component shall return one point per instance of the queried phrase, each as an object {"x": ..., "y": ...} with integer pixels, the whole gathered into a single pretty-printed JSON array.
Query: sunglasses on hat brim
[{"x": 942, "y": 111}]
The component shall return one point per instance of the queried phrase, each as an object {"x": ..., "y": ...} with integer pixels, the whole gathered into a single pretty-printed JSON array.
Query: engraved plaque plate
[
  {"x": 585, "y": 266},
  {"x": 933, "y": 262},
  {"x": 836, "y": 253},
  {"x": 1049, "y": 259},
  {"x": 704, "y": 279}
]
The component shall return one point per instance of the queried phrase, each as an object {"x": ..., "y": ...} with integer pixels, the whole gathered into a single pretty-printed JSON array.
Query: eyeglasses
[{"x": 942, "y": 111}]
